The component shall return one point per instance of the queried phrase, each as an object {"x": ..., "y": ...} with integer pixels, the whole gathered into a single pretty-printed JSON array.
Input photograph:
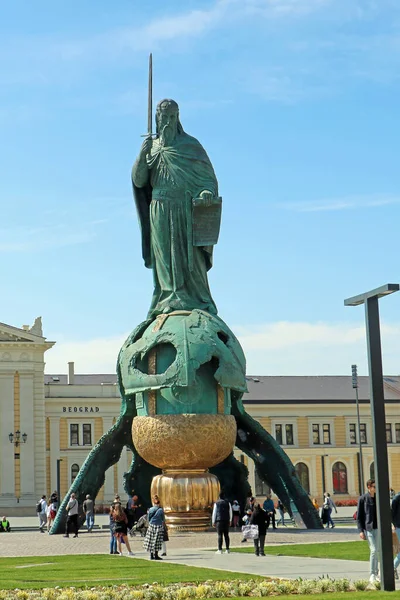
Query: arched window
[
  {"x": 372, "y": 470},
  {"x": 302, "y": 473},
  {"x": 74, "y": 471},
  {"x": 339, "y": 478}
]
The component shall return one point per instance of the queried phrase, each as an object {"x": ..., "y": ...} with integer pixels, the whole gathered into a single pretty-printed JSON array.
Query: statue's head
[{"x": 168, "y": 125}]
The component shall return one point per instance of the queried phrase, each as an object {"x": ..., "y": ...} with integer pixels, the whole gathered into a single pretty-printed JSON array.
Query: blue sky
[{"x": 296, "y": 103}]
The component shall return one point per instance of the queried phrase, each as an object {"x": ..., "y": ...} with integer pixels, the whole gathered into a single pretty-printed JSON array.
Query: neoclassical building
[{"x": 49, "y": 423}]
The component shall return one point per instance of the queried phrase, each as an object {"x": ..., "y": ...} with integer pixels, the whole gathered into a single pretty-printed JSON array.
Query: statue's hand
[
  {"x": 146, "y": 147},
  {"x": 207, "y": 197}
]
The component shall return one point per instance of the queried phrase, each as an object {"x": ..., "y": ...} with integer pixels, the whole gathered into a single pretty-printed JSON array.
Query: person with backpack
[
  {"x": 73, "y": 515},
  {"x": 41, "y": 511},
  {"x": 221, "y": 519},
  {"x": 328, "y": 506}
]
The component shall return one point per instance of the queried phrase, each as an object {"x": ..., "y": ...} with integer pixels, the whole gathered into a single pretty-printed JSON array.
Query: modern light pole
[
  {"x": 370, "y": 299},
  {"x": 354, "y": 380}
]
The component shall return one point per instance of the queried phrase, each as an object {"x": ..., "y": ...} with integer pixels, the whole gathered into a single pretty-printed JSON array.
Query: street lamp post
[
  {"x": 17, "y": 439},
  {"x": 370, "y": 299},
  {"x": 354, "y": 379}
]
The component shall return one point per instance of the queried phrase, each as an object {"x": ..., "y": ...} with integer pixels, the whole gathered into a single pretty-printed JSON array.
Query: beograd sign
[{"x": 80, "y": 409}]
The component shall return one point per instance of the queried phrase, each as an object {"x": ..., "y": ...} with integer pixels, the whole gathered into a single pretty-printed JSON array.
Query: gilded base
[{"x": 187, "y": 498}]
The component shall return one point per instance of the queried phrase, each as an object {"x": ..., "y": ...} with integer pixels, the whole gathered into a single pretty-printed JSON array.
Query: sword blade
[{"x": 150, "y": 98}]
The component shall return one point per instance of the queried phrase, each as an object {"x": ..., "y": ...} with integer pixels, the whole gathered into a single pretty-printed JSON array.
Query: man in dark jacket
[
  {"x": 368, "y": 527},
  {"x": 396, "y": 527},
  {"x": 221, "y": 519}
]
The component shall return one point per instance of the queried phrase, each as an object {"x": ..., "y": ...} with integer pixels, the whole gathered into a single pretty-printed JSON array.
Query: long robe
[{"x": 180, "y": 172}]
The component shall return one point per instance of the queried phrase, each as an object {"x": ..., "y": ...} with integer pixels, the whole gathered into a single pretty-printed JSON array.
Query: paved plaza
[{"x": 198, "y": 549}]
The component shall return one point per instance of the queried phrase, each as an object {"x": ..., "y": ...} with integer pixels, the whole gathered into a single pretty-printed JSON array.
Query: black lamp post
[
  {"x": 370, "y": 299},
  {"x": 19, "y": 439}
]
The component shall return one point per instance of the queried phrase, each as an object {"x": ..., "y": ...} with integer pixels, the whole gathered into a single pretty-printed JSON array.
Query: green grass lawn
[
  {"x": 90, "y": 570},
  {"x": 342, "y": 550}
]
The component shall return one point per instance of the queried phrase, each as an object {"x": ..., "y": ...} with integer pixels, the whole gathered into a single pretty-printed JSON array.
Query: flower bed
[
  {"x": 185, "y": 591},
  {"x": 350, "y": 502}
]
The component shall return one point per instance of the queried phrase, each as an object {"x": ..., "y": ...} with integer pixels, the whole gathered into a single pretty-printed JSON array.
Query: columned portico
[{"x": 22, "y": 406}]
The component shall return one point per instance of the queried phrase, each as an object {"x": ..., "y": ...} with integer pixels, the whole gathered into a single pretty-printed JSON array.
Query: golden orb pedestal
[
  {"x": 187, "y": 498},
  {"x": 184, "y": 446}
]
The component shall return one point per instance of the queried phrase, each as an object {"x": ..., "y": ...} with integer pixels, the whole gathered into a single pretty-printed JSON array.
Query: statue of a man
[{"x": 169, "y": 172}]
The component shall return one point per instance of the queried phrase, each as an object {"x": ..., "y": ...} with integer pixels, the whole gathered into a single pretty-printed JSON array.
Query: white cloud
[
  {"x": 281, "y": 348},
  {"x": 97, "y": 355}
]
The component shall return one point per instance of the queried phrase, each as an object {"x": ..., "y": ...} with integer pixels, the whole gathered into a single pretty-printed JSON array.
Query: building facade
[{"x": 49, "y": 423}]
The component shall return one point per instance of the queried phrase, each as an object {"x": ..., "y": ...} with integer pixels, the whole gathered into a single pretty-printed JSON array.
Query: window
[
  {"x": 74, "y": 434},
  {"x": 326, "y": 433},
  {"x": 87, "y": 434},
  {"x": 389, "y": 438},
  {"x": 372, "y": 471},
  {"x": 363, "y": 433},
  {"x": 302, "y": 473},
  {"x": 262, "y": 489},
  {"x": 284, "y": 434},
  {"x": 321, "y": 433},
  {"x": 289, "y": 435},
  {"x": 74, "y": 472},
  {"x": 353, "y": 433},
  {"x": 397, "y": 430},
  {"x": 80, "y": 434},
  {"x": 278, "y": 434},
  {"x": 339, "y": 478}
]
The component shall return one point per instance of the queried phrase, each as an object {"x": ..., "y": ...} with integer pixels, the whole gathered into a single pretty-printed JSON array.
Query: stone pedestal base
[{"x": 187, "y": 497}]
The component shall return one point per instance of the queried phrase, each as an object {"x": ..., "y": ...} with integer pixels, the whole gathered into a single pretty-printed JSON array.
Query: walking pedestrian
[
  {"x": 329, "y": 505},
  {"x": 221, "y": 519},
  {"x": 368, "y": 527},
  {"x": 269, "y": 508},
  {"x": 396, "y": 528},
  {"x": 51, "y": 514},
  {"x": 281, "y": 510},
  {"x": 121, "y": 528},
  {"x": 88, "y": 509},
  {"x": 259, "y": 518},
  {"x": 72, "y": 518},
  {"x": 41, "y": 511},
  {"x": 155, "y": 531},
  {"x": 236, "y": 514}
]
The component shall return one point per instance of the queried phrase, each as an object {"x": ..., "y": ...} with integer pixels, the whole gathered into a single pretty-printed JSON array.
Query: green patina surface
[{"x": 194, "y": 351}]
